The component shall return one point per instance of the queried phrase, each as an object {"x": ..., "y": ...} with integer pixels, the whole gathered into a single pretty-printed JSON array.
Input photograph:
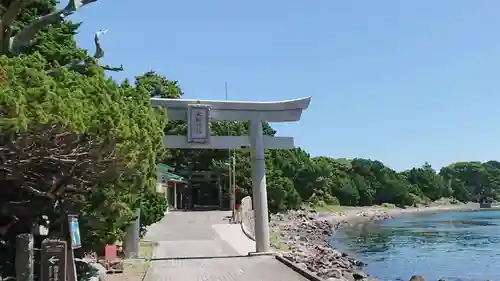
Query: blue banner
[{"x": 74, "y": 231}]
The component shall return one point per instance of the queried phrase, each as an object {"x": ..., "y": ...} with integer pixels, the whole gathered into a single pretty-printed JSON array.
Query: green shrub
[{"x": 153, "y": 208}]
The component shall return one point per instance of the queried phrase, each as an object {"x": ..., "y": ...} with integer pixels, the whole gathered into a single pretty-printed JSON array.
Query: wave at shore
[{"x": 303, "y": 237}]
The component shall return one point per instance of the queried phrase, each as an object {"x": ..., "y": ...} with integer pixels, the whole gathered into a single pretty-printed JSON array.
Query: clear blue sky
[{"x": 403, "y": 82}]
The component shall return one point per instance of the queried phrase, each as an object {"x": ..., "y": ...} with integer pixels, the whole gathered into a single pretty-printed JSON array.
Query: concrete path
[
  {"x": 203, "y": 246},
  {"x": 263, "y": 268},
  {"x": 190, "y": 234}
]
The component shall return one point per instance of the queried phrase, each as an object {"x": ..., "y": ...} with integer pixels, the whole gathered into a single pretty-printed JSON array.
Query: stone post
[
  {"x": 132, "y": 237},
  {"x": 24, "y": 257}
]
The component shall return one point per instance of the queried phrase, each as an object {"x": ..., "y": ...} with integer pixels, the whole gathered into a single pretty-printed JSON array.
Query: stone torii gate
[{"x": 199, "y": 114}]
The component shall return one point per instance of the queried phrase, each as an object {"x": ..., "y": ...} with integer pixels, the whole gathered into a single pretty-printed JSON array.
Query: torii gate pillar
[
  {"x": 201, "y": 112},
  {"x": 259, "y": 187}
]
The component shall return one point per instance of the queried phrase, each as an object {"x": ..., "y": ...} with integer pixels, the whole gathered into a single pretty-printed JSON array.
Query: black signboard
[{"x": 53, "y": 260}]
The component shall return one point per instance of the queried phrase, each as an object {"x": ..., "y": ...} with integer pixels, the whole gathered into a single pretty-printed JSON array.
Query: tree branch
[
  {"x": 12, "y": 11},
  {"x": 86, "y": 2},
  {"x": 2, "y": 9},
  {"x": 82, "y": 66},
  {"x": 110, "y": 68},
  {"x": 49, "y": 162},
  {"x": 24, "y": 37},
  {"x": 99, "y": 52},
  {"x": 37, "y": 192}
]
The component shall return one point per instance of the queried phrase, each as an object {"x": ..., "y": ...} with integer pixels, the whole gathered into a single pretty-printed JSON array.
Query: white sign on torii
[{"x": 199, "y": 114}]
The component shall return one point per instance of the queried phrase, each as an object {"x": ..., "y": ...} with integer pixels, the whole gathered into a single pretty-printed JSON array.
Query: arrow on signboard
[{"x": 53, "y": 260}]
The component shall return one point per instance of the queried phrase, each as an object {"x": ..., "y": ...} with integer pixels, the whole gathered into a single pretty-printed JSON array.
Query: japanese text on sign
[
  {"x": 53, "y": 260},
  {"x": 198, "y": 123}
]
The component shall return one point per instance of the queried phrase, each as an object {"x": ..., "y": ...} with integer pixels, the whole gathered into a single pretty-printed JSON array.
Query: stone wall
[{"x": 248, "y": 217}]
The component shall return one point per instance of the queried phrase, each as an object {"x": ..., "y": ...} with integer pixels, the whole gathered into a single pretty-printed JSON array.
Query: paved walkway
[{"x": 203, "y": 246}]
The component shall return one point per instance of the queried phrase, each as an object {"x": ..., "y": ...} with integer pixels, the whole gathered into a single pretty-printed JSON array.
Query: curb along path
[
  {"x": 248, "y": 228},
  {"x": 196, "y": 246}
]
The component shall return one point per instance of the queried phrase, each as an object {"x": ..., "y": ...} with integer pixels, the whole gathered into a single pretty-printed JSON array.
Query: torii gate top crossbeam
[{"x": 274, "y": 111}]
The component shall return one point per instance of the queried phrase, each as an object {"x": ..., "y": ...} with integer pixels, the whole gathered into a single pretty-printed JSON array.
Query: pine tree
[{"x": 69, "y": 136}]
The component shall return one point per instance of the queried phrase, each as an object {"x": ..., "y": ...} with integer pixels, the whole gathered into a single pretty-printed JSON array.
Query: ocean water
[{"x": 454, "y": 246}]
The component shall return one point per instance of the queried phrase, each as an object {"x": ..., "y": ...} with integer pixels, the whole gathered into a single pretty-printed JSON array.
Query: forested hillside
[{"x": 294, "y": 178}]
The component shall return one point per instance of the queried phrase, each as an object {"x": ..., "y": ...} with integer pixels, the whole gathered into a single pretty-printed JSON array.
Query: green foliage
[
  {"x": 153, "y": 207},
  {"x": 92, "y": 145},
  {"x": 124, "y": 136},
  {"x": 363, "y": 182},
  {"x": 158, "y": 86},
  {"x": 84, "y": 143},
  {"x": 294, "y": 178}
]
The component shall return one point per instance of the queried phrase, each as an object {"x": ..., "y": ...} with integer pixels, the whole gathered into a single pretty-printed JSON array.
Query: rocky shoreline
[{"x": 304, "y": 235}]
